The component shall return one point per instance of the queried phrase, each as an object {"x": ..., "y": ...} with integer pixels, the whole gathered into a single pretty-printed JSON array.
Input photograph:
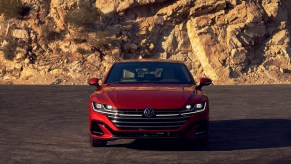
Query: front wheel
[
  {"x": 97, "y": 142},
  {"x": 204, "y": 142},
  {"x": 201, "y": 143}
]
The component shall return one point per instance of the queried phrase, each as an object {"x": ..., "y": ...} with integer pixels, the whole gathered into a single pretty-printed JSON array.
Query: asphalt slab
[{"x": 49, "y": 124}]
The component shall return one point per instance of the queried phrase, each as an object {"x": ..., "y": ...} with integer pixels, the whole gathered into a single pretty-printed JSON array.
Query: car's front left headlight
[{"x": 200, "y": 105}]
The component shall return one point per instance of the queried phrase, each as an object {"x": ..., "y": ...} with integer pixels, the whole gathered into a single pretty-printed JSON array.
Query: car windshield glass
[{"x": 149, "y": 72}]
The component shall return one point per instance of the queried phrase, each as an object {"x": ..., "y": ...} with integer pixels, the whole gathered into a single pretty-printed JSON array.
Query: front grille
[{"x": 135, "y": 119}]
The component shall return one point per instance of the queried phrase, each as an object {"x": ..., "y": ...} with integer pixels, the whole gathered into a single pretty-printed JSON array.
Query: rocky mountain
[{"x": 68, "y": 41}]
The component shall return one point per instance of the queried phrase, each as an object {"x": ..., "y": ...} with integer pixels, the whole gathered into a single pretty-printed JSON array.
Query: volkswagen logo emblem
[{"x": 149, "y": 112}]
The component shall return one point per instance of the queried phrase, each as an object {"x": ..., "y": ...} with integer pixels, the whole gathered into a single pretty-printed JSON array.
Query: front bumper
[
  {"x": 100, "y": 130},
  {"x": 104, "y": 127}
]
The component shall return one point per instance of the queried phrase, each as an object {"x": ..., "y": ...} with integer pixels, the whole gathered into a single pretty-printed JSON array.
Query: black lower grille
[
  {"x": 147, "y": 135},
  {"x": 135, "y": 120},
  {"x": 95, "y": 129}
]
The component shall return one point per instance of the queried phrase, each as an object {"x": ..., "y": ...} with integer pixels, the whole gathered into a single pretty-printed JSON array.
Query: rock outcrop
[{"x": 66, "y": 42}]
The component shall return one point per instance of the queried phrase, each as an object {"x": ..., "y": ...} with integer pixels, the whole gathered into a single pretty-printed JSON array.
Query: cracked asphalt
[{"x": 49, "y": 124}]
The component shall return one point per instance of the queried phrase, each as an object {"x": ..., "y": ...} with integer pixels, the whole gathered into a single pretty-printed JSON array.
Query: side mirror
[
  {"x": 94, "y": 82},
  {"x": 204, "y": 82}
]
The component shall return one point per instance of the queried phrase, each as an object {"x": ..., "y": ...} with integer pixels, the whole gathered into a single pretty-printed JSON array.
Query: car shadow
[{"x": 228, "y": 135}]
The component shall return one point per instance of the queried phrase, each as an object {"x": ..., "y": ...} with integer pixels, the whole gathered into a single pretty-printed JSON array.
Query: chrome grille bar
[{"x": 172, "y": 119}]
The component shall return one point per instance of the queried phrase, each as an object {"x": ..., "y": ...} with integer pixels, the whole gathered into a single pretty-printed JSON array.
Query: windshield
[{"x": 149, "y": 72}]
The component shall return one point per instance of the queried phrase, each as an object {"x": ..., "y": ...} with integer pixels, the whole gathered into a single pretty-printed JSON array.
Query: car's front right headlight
[{"x": 97, "y": 107}]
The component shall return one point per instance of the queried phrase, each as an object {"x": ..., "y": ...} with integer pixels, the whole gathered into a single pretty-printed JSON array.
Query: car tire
[
  {"x": 97, "y": 142},
  {"x": 202, "y": 143}
]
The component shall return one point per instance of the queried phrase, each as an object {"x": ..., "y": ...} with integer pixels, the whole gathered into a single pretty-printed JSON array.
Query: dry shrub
[
  {"x": 97, "y": 39},
  {"x": 13, "y": 9},
  {"x": 9, "y": 49},
  {"x": 83, "y": 51},
  {"x": 51, "y": 35},
  {"x": 82, "y": 16},
  {"x": 100, "y": 39},
  {"x": 87, "y": 18}
]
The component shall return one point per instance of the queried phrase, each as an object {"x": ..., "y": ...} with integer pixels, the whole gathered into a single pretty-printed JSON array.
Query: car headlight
[
  {"x": 108, "y": 107},
  {"x": 102, "y": 108},
  {"x": 198, "y": 106},
  {"x": 189, "y": 107},
  {"x": 97, "y": 106}
]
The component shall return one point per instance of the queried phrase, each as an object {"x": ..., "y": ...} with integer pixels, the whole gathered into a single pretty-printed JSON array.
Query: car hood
[{"x": 143, "y": 97}]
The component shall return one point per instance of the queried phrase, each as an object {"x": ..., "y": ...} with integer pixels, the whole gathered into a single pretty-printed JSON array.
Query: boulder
[
  {"x": 200, "y": 50},
  {"x": 132, "y": 47},
  {"x": 238, "y": 56},
  {"x": 110, "y": 6},
  {"x": 20, "y": 34},
  {"x": 116, "y": 52},
  {"x": 19, "y": 57},
  {"x": 57, "y": 3},
  {"x": 280, "y": 38},
  {"x": 254, "y": 14},
  {"x": 151, "y": 47}
]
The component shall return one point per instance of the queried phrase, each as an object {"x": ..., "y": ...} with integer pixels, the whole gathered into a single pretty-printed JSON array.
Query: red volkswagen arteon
[{"x": 148, "y": 99}]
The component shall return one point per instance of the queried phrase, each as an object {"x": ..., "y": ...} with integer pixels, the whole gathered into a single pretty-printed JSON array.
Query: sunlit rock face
[{"x": 65, "y": 42}]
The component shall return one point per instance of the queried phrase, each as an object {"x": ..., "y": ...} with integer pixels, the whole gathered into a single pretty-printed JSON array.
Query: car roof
[{"x": 150, "y": 60}]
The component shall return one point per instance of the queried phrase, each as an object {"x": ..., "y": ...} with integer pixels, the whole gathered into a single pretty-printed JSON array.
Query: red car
[{"x": 148, "y": 99}]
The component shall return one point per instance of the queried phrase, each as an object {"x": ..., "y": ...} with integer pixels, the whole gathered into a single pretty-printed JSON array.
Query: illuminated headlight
[
  {"x": 97, "y": 107},
  {"x": 108, "y": 107},
  {"x": 189, "y": 106},
  {"x": 199, "y": 106}
]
